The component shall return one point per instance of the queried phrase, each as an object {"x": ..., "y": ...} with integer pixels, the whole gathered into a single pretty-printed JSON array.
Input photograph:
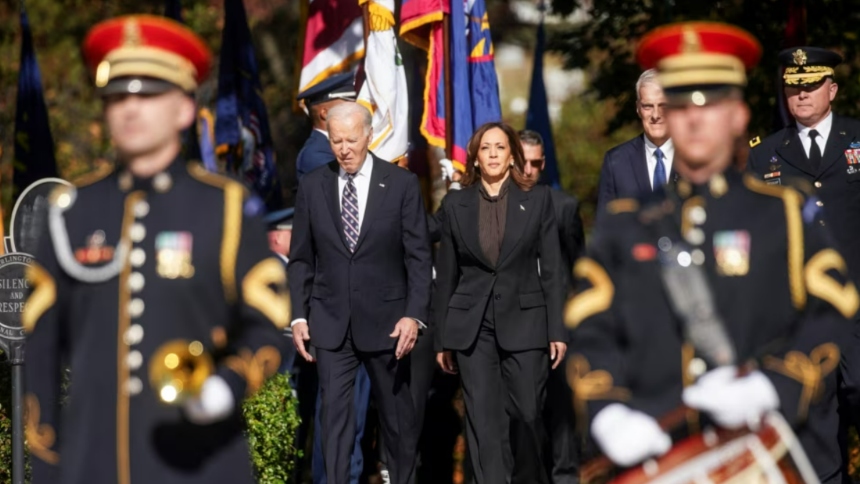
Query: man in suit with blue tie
[
  {"x": 644, "y": 163},
  {"x": 360, "y": 269}
]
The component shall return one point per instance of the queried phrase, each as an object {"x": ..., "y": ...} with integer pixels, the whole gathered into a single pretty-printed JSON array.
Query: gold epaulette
[{"x": 99, "y": 173}]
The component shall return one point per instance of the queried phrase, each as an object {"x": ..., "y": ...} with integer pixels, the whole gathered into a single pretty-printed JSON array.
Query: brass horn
[{"x": 178, "y": 369}]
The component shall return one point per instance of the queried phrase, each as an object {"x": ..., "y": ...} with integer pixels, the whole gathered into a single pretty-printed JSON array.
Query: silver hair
[
  {"x": 346, "y": 110},
  {"x": 647, "y": 77}
]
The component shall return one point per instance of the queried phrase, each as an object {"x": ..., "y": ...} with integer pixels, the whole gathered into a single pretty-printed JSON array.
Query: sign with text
[
  {"x": 14, "y": 289},
  {"x": 30, "y": 213}
]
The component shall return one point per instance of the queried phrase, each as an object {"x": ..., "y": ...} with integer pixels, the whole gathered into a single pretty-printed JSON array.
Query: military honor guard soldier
[
  {"x": 183, "y": 266},
  {"x": 318, "y": 99},
  {"x": 635, "y": 357}
]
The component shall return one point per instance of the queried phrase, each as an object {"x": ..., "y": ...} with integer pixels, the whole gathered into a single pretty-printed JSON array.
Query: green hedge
[{"x": 271, "y": 417}]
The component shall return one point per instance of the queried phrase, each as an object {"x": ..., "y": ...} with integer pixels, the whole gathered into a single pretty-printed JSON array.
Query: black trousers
[
  {"x": 504, "y": 393},
  {"x": 389, "y": 381},
  {"x": 563, "y": 467}
]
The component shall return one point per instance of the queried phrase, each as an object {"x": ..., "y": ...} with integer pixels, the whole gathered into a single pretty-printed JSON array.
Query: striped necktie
[{"x": 349, "y": 212}]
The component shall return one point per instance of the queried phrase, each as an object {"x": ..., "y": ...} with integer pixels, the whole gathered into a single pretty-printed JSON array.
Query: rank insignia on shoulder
[
  {"x": 755, "y": 141},
  {"x": 732, "y": 252},
  {"x": 173, "y": 255},
  {"x": 95, "y": 252}
]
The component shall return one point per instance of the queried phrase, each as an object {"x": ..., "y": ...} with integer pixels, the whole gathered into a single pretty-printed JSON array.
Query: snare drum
[{"x": 769, "y": 454}]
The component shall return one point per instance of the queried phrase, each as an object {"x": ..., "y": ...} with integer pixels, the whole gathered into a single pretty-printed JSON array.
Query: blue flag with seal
[
  {"x": 537, "y": 116},
  {"x": 34, "y": 145},
  {"x": 242, "y": 132}
]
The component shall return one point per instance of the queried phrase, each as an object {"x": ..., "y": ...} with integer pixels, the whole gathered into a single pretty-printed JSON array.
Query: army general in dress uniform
[
  {"x": 772, "y": 296},
  {"x": 157, "y": 250}
]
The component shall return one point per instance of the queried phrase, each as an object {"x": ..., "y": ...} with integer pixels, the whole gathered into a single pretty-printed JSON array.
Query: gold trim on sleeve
[
  {"x": 794, "y": 230},
  {"x": 590, "y": 385},
  {"x": 230, "y": 241},
  {"x": 257, "y": 293},
  {"x": 808, "y": 370},
  {"x": 591, "y": 301},
  {"x": 40, "y": 436},
  {"x": 42, "y": 298},
  {"x": 821, "y": 285},
  {"x": 254, "y": 368},
  {"x": 622, "y": 205}
]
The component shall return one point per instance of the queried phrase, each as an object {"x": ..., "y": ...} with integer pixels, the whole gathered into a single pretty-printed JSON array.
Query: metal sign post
[
  {"x": 13, "y": 293},
  {"x": 28, "y": 218}
]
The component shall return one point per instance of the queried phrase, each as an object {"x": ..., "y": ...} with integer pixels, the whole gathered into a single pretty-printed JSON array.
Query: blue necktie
[
  {"x": 349, "y": 212},
  {"x": 659, "y": 171}
]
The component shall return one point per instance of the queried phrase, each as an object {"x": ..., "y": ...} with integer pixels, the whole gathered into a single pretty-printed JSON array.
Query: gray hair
[
  {"x": 346, "y": 110},
  {"x": 647, "y": 77},
  {"x": 532, "y": 138}
]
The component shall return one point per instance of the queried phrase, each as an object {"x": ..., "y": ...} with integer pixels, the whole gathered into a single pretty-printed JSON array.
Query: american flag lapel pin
[{"x": 382, "y": 185}]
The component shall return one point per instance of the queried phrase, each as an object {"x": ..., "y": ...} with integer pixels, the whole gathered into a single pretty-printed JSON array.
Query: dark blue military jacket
[
  {"x": 780, "y": 289},
  {"x": 780, "y": 157},
  {"x": 315, "y": 153},
  {"x": 125, "y": 266}
]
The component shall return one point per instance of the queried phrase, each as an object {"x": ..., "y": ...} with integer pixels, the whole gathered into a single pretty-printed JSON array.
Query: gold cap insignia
[
  {"x": 691, "y": 42},
  {"x": 799, "y": 57},
  {"x": 131, "y": 34}
]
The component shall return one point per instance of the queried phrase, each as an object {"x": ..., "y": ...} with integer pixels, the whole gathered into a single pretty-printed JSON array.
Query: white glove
[
  {"x": 730, "y": 400},
  {"x": 447, "y": 168},
  {"x": 214, "y": 403},
  {"x": 628, "y": 436}
]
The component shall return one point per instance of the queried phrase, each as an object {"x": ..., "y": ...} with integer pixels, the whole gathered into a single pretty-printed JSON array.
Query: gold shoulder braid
[
  {"x": 819, "y": 284},
  {"x": 255, "y": 367},
  {"x": 590, "y": 385},
  {"x": 40, "y": 437},
  {"x": 591, "y": 301},
  {"x": 808, "y": 370}
]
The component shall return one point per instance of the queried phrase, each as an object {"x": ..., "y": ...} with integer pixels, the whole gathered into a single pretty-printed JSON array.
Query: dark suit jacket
[
  {"x": 571, "y": 236},
  {"x": 624, "y": 173},
  {"x": 385, "y": 279},
  {"x": 527, "y": 305},
  {"x": 315, "y": 153}
]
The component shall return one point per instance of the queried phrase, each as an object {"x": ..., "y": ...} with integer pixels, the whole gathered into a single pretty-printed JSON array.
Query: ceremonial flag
[
  {"x": 537, "y": 117},
  {"x": 173, "y": 10},
  {"x": 474, "y": 87},
  {"x": 333, "y": 40},
  {"x": 34, "y": 146},
  {"x": 384, "y": 91},
  {"x": 241, "y": 122}
]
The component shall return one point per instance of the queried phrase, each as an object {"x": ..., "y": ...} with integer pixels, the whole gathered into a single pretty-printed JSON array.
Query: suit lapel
[
  {"x": 518, "y": 213},
  {"x": 640, "y": 164},
  {"x": 837, "y": 142},
  {"x": 376, "y": 191},
  {"x": 467, "y": 221},
  {"x": 791, "y": 150},
  {"x": 332, "y": 199}
]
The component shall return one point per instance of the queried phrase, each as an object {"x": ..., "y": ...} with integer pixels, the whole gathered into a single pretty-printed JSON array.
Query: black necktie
[{"x": 814, "y": 151}]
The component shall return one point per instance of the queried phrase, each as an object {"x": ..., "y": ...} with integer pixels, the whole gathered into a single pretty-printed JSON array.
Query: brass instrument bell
[{"x": 178, "y": 369}]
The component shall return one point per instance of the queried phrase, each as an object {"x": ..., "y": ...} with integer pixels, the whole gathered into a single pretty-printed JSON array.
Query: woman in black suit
[{"x": 498, "y": 303}]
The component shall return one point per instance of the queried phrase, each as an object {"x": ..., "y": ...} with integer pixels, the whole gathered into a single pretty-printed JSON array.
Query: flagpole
[{"x": 449, "y": 95}]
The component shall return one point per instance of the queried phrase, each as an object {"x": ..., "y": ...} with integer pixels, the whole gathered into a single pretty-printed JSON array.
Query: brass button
[
  {"x": 819, "y": 203},
  {"x": 138, "y": 232},
  {"x": 141, "y": 209},
  {"x": 133, "y": 335},
  {"x": 821, "y": 223},
  {"x": 136, "y": 281},
  {"x": 818, "y": 184},
  {"x": 696, "y": 367},
  {"x": 138, "y": 257},
  {"x": 133, "y": 386},
  {"x": 134, "y": 360},
  {"x": 135, "y": 308}
]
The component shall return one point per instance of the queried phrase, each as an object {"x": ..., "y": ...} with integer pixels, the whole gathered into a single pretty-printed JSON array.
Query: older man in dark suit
[
  {"x": 644, "y": 163},
  {"x": 361, "y": 272}
]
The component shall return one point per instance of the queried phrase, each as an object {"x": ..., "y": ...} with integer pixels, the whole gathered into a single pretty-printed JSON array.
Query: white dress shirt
[
  {"x": 823, "y": 129},
  {"x": 668, "y": 150},
  {"x": 362, "y": 186}
]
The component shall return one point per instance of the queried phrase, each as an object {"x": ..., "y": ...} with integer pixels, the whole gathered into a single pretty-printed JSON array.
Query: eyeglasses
[{"x": 535, "y": 163}]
